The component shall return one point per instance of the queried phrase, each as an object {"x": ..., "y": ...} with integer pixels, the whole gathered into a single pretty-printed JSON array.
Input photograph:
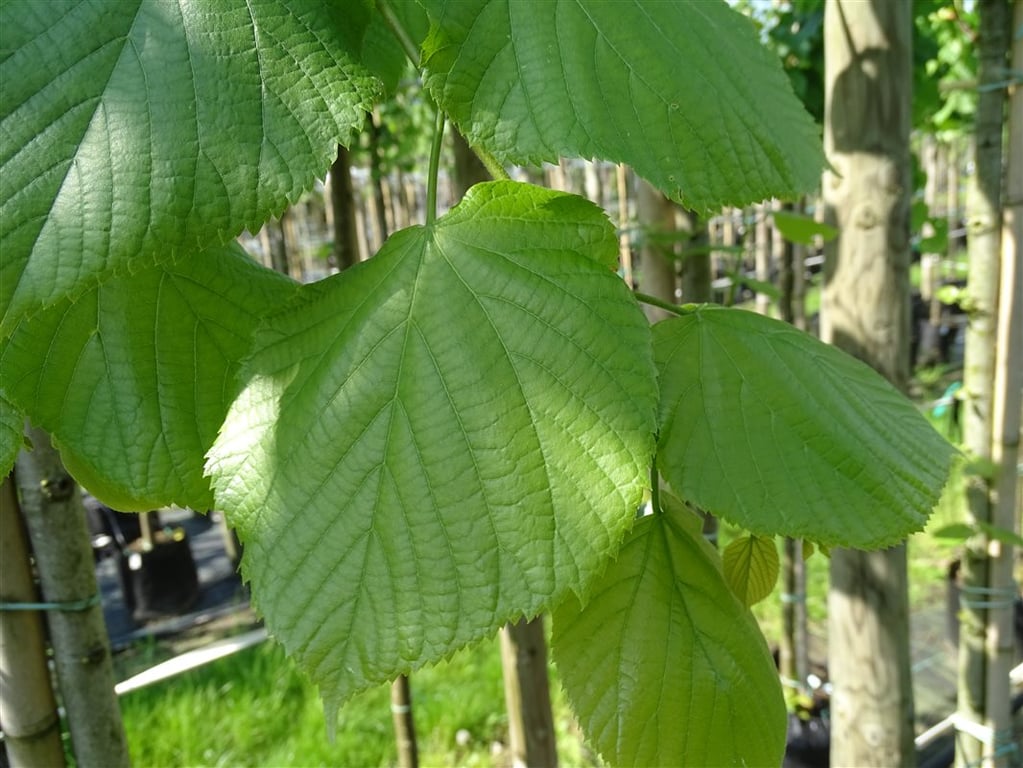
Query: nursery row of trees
[{"x": 455, "y": 435}]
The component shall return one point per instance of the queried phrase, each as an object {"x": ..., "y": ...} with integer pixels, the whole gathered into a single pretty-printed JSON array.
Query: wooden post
[
  {"x": 978, "y": 608},
  {"x": 527, "y": 693},
  {"x": 55, "y": 520},
  {"x": 865, "y": 311},
  {"x": 28, "y": 711}
]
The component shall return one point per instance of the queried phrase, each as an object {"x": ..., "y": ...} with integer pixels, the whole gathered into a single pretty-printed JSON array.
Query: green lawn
[{"x": 256, "y": 709}]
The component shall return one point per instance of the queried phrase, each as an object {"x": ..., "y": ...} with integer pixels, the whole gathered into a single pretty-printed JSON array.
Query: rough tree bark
[
  {"x": 991, "y": 409},
  {"x": 865, "y": 311},
  {"x": 55, "y": 520},
  {"x": 28, "y": 711},
  {"x": 983, "y": 221}
]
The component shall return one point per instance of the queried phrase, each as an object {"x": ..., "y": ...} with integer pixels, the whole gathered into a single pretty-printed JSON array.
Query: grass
[{"x": 256, "y": 709}]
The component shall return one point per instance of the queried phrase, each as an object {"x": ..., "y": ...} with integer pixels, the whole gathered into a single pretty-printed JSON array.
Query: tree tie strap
[
  {"x": 63, "y": 605},
  {"x": 988, "y": 597}
]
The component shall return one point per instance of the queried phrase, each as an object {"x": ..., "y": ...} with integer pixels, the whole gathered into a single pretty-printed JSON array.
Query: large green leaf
[
  {"x": 447, "y": 436},
  {"x": 682, "y": 91},
  {"x": 134, "y": 378},
  {"x": 663, "y": 665},
  {"x": 132, "y": 129},
  {"x": 768, "y": 427}
]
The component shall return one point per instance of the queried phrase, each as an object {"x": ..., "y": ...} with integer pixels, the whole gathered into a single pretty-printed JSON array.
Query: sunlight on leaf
[
  {"x": 449, "y": 435},
  {"x": 682, "y": 91},
  {"x": 133, "y": 130},
  {"x": 663, "y": 665},
  {"x": 134, "y": 378},
  {"x": 751, "y": 567},
  {"x": 829, "y": 450}
]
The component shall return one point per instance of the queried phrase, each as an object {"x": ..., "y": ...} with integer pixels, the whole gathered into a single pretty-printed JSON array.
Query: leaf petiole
[
  {"x": 676, "y": 309},
  {"x": 431, "y": 183}
]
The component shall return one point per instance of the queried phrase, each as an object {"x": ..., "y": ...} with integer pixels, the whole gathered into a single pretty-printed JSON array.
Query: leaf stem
[
  {"x": 431, "y": 184},
  {"x": 676, "y": 309},
  {"x": 394, "y": 24}
]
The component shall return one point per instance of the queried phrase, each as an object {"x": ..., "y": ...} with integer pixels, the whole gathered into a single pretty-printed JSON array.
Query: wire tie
[{"x": 62, "y": 605}]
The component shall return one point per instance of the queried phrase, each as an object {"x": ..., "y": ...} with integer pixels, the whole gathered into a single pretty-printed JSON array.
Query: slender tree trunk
[
  {"x": 523, "y": 643},
  {"x": 793, "y": 653},
  {"x": 657, "y": 271},
  {"x": 28, "y": 711},
  {"x": 527, "y": 693},
  {"x": 978, "y": 608},
  {"x": 404, "y": 723},
  {"x": 624, "y": 240},
  {"x": 865, "y": 311},
  {"x": 342, "y": 201},
  {"x": 271, "y": 238},
  {"x": 55, "y": 520},
  {"x": 696, "y": 271},
  {"x": 762, "y": 256}
]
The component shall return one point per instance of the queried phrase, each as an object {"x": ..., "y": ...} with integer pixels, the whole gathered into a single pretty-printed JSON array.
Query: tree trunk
[
  {"x": 979, "y": 610},
  {"x": 28, "y": 711},
  {"x": 793, "y": 650},
  {"x": 342, "y": 201},
  {"x": 404, "y": 723},
  {"x": 527, "y": 694},
  {"x": 865, "y": 311},
  {"x": 696, "y": 271},
  {"x": 762, "y": 256},
  {"x": 657, "y": 270},
  {"x": 271, "y": 237},
  {"x": 55, "y": 520},
  {"x": 624, "y": 240}
]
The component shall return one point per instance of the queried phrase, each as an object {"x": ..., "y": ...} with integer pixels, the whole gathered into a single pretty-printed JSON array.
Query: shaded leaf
[
  {"x": 751, "y": 568},
  {"x": 136, "y": 129},
  {"x": 449, "y": 435},
  {"x": 799, "y": 228},
  {"x": 12, "y": 431},
  {"x": 382, "y": 53},
  {"x": 683, "y": 92},
  {"x": 829, "y": 450},
  {"x": 134, "y": 378},
  {"x": 663, "y": 665},
  {"x": 960, "y": 531}
]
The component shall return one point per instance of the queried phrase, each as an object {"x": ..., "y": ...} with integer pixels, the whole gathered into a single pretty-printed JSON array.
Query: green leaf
[
  {"x": 382, "y": 53},
  {"x": 751, "y": 568},
  {"x": 452, "y": 434},
  {"x": 12, "y": 435},
  {"x": 1003, "y": 535},
  {"x": 779, "y": 433},
  {"x": 134, "y": 130},
  {"x": 960, "y": 531},
  {"x": 663, "y": 666},
  {"x": 799, "y": 228},
  {"x": 683, "y": 92},
  {"x": 134, "y": 378}
]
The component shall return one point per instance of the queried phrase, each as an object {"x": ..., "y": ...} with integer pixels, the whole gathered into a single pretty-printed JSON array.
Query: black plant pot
[{"x": 159, "y": 580}]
